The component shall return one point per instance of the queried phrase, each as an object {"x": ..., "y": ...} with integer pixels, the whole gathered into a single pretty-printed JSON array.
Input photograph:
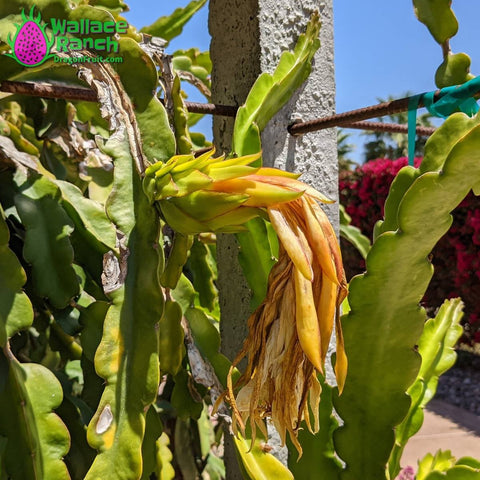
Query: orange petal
[
  {"x": 275, "y": 172},
  {"x": 306, "y": 320},
  {"x": 261, "y": 194},
  {"x": 291, "y": 184},
  {"x": 290, "y": 242},
  {"x": 319, "y": 243},
  {"x": 334, "y": 248},
  {"x": 326, "y": 307},
  {"x": 341, "y": 361}
]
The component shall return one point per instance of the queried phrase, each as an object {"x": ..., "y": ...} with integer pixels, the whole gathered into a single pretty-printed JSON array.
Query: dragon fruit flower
[
  {"x": 31, "y": 45},
  {"x": 289, "y": 333}
]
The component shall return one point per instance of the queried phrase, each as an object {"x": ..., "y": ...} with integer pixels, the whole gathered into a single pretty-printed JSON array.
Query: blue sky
[{"x": 380, "y": 47}]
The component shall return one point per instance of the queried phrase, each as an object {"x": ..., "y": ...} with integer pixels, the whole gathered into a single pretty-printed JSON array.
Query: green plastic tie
[
  {"x": 412, "y": 126},
  {"x": 458, "y": 98}
]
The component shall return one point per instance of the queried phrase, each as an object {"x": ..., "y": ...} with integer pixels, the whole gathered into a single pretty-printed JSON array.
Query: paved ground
[{"x": 445, "y": 427}]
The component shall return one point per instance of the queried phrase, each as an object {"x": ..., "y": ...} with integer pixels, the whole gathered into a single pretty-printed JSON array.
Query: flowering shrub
[{"x": 456, "y": 257}]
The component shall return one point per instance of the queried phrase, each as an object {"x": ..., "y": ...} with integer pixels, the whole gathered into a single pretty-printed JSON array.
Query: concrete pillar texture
[{"x": 248, "y": 37}]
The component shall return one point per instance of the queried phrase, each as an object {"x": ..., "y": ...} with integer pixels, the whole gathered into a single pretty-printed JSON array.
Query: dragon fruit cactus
[{"x": 31, "y": 46}]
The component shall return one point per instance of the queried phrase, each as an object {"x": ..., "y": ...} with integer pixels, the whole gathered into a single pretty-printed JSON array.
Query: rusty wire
[
  {"x": 353, "y": 116},
  {"x": 211, "y": 108},
  {"x": 351, "y": 119},
  {"x": 388, "y": 127},
  {"x": 47, "y": 90}
]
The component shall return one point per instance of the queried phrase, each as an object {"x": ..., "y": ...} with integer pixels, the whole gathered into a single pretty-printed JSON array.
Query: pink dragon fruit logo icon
[{"x": 31, "y": 45}]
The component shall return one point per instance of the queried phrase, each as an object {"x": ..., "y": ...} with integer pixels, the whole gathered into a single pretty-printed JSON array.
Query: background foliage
[{"x": 456, "y": 257}]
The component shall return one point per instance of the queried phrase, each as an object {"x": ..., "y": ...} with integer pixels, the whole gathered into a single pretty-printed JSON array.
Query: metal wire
[
  {"x": 211, "y": 108},
  {"x": 350, "y": 119},
  {"x": 388, "y": 127},
  {"x": 47, "y": 90},
  {"x": 353, "y": 116}
]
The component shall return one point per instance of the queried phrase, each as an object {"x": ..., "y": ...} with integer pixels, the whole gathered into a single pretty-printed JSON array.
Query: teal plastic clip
[
  {"x": 412, "y": 125},
  {"x": 458, "y": 98}
]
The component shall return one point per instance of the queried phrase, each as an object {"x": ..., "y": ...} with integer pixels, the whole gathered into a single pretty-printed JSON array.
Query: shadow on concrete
[{"x": 467, "y": 420}]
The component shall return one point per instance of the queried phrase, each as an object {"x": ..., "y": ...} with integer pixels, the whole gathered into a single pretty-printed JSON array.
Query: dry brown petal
[{"x": 289, "y": 332}]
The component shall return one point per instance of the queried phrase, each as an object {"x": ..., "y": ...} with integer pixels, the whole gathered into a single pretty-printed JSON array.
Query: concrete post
[{"x": 248, "y": 37}]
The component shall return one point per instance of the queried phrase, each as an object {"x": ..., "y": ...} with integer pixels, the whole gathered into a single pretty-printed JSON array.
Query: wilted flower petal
[{"x": 290, "y": 331}]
